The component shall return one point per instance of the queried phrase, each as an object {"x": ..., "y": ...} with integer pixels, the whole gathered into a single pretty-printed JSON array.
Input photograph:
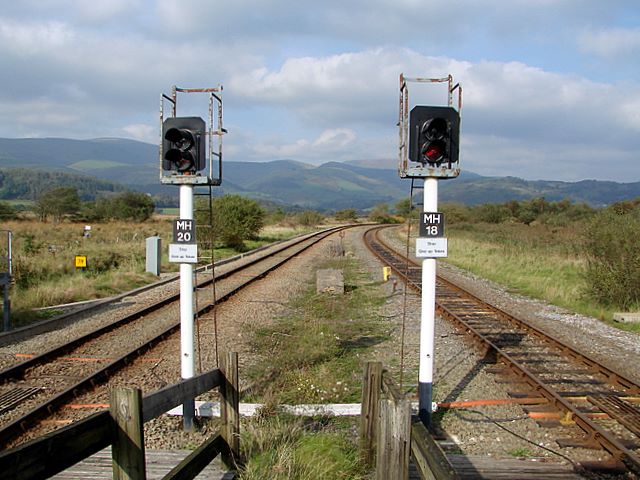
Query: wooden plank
[
  {"x": 128, "y": 445},
  {"x": 394, "y": 439},
  {"x": 371, "y": 387},
  {"x": 430, "y": 459},
  {"x": 389, "y": 387},
  {"x": 230, "y": 410},
  {"x": 67, "y": 446},
  {"x": 57, "y": 451},
  {"x": 155, "y": 404},
  {"x": 191, "y": 466},
  {"x": 159, "y": 464}
]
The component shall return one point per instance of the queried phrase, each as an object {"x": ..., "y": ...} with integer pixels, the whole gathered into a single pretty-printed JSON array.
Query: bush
[
  {"x": 235, "y": 219},
  {"x": 7, "y": 212},
  {"x": 309, "y": 218},
  {"x": 347, "y": 215},
  {"x": 613, "y": 258},
  {"x": 124, "y": 206}
]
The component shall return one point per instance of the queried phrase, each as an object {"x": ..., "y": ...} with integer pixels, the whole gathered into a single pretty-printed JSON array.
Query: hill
[{"x": 330, "y": 186}]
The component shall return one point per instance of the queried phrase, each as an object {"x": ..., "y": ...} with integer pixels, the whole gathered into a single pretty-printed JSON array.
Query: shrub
[
  {"x": 309, "y": 218},
  {"x": 347, "y": 215},
  {"x": 235, "y": 219},
  {"x": 613, "y": 258}
]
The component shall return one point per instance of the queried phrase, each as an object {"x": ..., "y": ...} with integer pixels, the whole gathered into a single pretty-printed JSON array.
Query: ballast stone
[{"x": 330, "y": 280}]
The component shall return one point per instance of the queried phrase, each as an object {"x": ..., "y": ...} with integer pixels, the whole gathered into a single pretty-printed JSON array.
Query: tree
[
  {"x": 346, "y": 215},
  {"x": 124, "y": 206},
  {"x": 58, "y": 202},
  {"x": 380, "y": 214},
  {"x": 236, "y": 219},
  {"x": 403, "y": 208}
]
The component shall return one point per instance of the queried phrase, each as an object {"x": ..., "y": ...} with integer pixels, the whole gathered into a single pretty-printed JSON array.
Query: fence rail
[
  {"x": 121, "y": 428},
  {"x": 389, "y": 437}
]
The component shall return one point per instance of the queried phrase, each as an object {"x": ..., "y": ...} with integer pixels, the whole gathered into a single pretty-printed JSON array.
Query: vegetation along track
[
  {"x": 54, "y": 378},
  {"x": 590, "y": 402}
]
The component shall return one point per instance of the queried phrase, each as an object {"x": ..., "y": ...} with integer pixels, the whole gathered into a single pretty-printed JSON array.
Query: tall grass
[
  {"x": 541, "y": 261},
  {"x": 44, "y": 271}
]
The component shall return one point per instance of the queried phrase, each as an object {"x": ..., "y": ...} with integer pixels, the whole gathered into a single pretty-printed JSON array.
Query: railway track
[
  {"x": 33, "y": 389},
  {"x": 592, "y": 403}
]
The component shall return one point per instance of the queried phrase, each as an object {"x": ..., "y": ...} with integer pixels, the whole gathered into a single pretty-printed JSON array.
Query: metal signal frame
[
  {"x": 214, "y": 132},
  {"x": 405, "y": 170}
]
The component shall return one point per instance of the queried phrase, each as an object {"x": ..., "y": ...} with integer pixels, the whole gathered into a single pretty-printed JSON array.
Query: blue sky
[{"x": 551, "y": 87}]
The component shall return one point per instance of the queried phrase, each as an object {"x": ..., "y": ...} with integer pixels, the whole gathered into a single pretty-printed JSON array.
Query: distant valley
[{"x": 101, "y": 166}]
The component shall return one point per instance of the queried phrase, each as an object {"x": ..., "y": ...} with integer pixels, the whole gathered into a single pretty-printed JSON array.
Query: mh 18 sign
[{"x": 432, "y": 224}]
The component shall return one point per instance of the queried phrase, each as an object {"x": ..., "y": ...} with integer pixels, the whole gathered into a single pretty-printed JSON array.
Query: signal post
[
  {"x": 184, "y": 162},
  {"x": 429, "y": 138}
]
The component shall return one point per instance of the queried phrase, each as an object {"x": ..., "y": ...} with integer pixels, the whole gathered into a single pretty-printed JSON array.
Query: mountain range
[{"x": 119, "y": 163}]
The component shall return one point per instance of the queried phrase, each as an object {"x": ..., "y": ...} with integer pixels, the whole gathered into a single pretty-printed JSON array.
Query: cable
[{"x": 577, "y": 467}]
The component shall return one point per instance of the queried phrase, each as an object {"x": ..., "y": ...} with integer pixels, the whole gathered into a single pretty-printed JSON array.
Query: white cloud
[
  {"x": 613, "y": 42},
  {"x": 34, "y": 38},
  {"x": 142, "y": 132}
]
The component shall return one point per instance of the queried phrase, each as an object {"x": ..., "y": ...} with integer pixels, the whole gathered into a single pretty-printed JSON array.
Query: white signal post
[
  {"x": 428, "y": 311},
  {"x": 187, "y": 336}
]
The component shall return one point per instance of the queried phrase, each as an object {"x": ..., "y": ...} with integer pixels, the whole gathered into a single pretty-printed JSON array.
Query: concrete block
[
  {"x": 330, "y": 280},
  {"x": 627, "y": 317}
]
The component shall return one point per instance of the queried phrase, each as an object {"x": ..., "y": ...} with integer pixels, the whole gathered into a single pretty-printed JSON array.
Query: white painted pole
[
  {"x": 427, "y": 321},
  {"x": 187, "y": 337}
]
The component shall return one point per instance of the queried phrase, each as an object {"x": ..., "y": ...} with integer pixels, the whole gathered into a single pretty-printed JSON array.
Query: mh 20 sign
[{"x": 184, "y": 231}]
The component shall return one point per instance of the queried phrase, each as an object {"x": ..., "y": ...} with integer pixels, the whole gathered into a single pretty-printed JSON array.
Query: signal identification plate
[
  {"x": 435, "y": 247},
  {"x": 183, "y": 253}
]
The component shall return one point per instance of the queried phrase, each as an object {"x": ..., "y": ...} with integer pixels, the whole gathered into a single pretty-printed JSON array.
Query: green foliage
[
  {"x": 57, "y": 203},
  {"x": 380, "y": 214},
  {"x": 613, "y": 253},
  {"x": 490, "y": 213},
  {"x": 309, "y": 218},
  {"x": 124, "y": 206},
  {"x": 25, "y": 184},
  {"x": 403, "y": 208},
  {"x": 235, "y": 219},
  {"x": 346, "y": 215},
  {"x": 281, "y": 447},
  {"x": 7, "y": 211}
]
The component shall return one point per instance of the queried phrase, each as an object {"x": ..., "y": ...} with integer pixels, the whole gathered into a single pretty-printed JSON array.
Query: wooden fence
[
  {"x": 389, "y": 437},
  {"x": 122, "y": 428}
]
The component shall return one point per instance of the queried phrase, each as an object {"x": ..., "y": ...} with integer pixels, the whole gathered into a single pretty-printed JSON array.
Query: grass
[
  {"x": 314, "y": 356},
  {"x": 284, "y": 447},
  {"x": 314, "y": 353},
  {"x": 539, "y": 261},
  {"x": 44, "y": 272}
]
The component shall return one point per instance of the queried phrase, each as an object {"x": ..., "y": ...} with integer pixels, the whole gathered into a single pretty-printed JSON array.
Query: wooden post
[
  {"x": 127, "y": 451},
  {"x": 371, "y": 388},
  {"x": 393, "y": 439},
  {"x": 230, "y": 409}
]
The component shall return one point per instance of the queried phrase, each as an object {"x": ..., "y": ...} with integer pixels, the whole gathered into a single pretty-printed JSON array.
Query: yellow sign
[
  {"x": 81, "y": 261},
  {"x": 386, "y": 273}
]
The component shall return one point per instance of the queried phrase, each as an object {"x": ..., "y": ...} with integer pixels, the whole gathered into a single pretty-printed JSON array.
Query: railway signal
[
  {"x": 428, "y": 149},
  {"x": 183, "y": 145},
  {"x": 434, "y": 135}
]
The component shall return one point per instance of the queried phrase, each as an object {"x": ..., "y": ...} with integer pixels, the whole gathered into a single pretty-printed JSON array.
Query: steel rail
[
  {"x": 598, "y": 436},
  {"x": 12, "y": 430}
]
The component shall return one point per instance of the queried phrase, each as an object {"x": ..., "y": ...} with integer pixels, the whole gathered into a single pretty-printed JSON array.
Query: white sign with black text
[
  {"x": 183, "y": 253},
  {"x": 435, "y": 247}
]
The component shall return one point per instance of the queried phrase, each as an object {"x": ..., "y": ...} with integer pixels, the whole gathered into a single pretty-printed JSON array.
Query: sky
[{"x": 551, "y": 87}]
